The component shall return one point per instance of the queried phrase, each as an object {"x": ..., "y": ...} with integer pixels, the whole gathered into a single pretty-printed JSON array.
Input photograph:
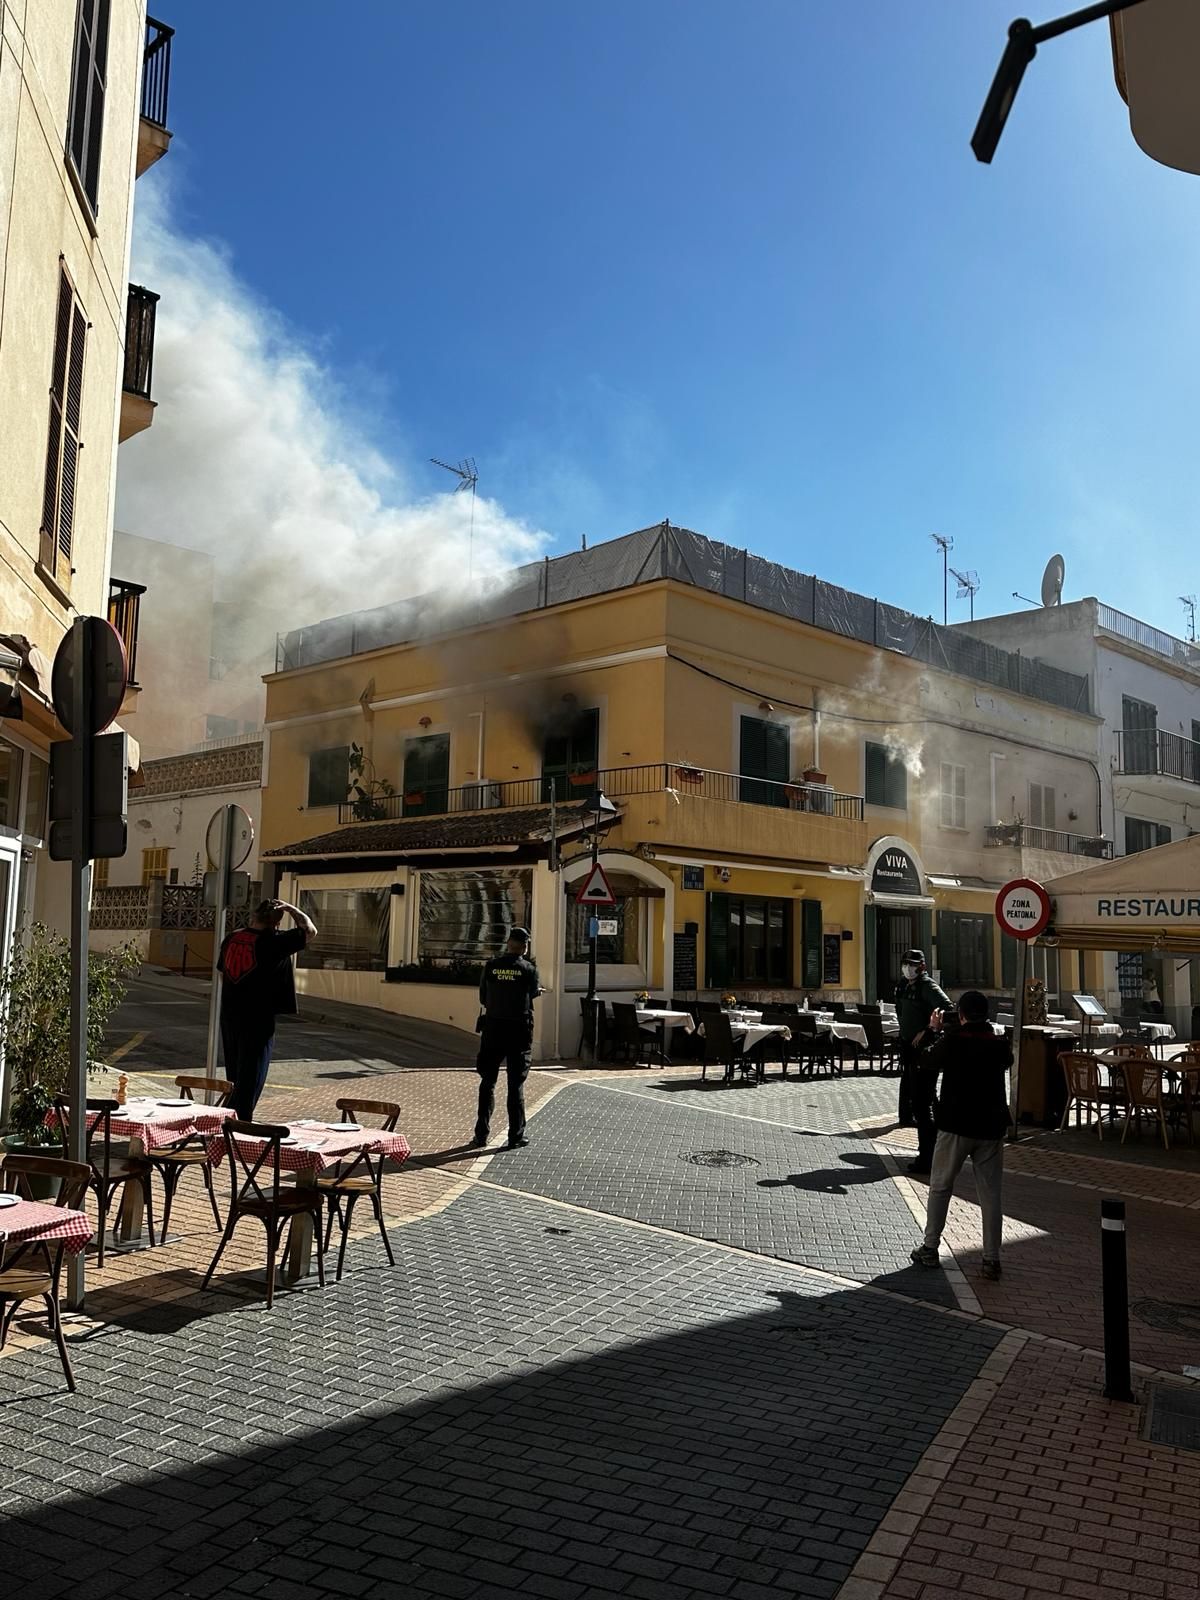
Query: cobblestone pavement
[{"x": 601, "y": 1369}]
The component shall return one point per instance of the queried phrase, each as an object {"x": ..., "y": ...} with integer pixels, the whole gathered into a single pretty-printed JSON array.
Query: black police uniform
[
  {"x": 916, "y": 1001},
  {"x": 506, "y": 993}
]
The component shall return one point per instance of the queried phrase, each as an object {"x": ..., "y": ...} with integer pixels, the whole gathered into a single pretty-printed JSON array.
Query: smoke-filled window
[
  {"x": 886, "y": 778},
  {"x": 329, "y": 776},
  {"x": 571, "y": 751},
  {"x": 464, "y": 916},
  {"x": 352, "y": 929},
  {"x": 426, "y": 775}
]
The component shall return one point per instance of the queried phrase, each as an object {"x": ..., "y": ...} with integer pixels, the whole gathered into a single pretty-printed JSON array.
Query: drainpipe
[
  {"x": 479, "y": 772},
  {"x": 816, "y": 728}
]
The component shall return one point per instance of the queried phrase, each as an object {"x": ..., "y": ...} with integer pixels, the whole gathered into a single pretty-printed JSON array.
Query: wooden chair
[
  {"x": 33, "y": 1270},
  {"x": 263, "y": 1196},
  {"x": 361, "y": 1175},
  {"x": 1144, "y": 1092},
  {"x": 1082, "y": 1072},
  {"x": 173, "y": 1162},
  {"x": 109, "y": 1172}
]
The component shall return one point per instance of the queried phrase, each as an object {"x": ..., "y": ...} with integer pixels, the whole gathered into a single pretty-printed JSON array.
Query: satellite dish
[{"x": 1052, "y": 581}]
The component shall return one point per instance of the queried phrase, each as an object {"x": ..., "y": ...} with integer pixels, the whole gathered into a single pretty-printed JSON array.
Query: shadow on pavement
[{"x": 833, "y": 1180}]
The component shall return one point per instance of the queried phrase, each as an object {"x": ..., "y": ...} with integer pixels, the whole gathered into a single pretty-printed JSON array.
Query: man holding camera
[{"x": 257, "y": 985}]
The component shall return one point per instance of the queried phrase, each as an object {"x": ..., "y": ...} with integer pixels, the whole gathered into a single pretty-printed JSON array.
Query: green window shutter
[
  {"x": 876, "y": 784},
  {"x": 717, "y": 964},
  {"x": 810, "y": 943},
  {"x": 870, "y": 956},
  {"x": 948, "y": 954}
]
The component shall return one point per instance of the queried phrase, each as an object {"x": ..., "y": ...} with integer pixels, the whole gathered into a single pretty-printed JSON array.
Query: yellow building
[
  {"x": 806, "y": 782},
  {"x": 83, "y": 112}
]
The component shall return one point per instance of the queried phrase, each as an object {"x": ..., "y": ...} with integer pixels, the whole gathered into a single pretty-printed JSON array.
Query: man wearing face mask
[{"x": 917, "y": 998}]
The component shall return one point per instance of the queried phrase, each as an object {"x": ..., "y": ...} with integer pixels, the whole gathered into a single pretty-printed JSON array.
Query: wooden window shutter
[
  {"x": 86, "y": 127},
  {"x": 66, "y": 374},
  {"x": 70, "y": 445}
]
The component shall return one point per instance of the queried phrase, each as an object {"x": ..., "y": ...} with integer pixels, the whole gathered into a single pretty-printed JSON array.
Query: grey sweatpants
[{"x": 987, "y": 1162}]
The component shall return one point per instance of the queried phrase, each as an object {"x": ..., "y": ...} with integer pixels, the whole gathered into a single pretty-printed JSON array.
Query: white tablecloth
[
  {"x": 649, "y": 1017},
  {"x": 751, "y": 1033},
  {"x": 851, "y": 1031}
]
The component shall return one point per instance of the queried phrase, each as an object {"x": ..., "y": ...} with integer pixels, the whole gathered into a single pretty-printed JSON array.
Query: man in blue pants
[{"x": 257, "y": 986}]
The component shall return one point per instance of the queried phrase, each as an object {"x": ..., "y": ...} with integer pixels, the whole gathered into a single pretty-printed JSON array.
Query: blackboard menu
[
  {"x": 685, "y": 962},
  {"x": 831, "y": 959}
]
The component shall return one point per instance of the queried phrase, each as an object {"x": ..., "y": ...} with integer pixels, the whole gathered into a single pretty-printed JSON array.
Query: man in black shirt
[
  {"x": 257, "y": 986},
  {"x": 972, "y": 1121},
  {"x": 507, "y": 990}
]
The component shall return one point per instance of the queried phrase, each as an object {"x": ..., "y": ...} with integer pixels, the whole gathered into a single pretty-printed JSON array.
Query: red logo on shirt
[{"x": 241, "y": 955}]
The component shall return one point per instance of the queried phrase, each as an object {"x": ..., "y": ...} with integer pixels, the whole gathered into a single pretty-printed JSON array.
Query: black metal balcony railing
[
  {"x": 616, "y": 783},
  {"x": 156, "y": 72},
  {"x": 1153, "y": 750},
  {"x": 124, "y": 608},
  {"x": 141, "y": 309},
  {"x": 1015, "y": 834}
]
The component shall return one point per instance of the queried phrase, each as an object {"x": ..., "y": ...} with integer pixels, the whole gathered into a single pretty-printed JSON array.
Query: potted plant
[
  {"x": 642, "y": 997},
  {"x": 729, "y": 1000},
  {"x": 35, "y": 1027}
]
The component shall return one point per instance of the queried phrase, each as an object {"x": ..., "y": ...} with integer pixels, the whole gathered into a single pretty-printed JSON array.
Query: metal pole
[
  {"x": 593, "y": 936},
  {"x": 1018, "y": 1027},
  {"x": 556, "y": 883},
  {"x": 81, "y": 893},
  {"x": 214, "y": 999},
  {"x": 1116, "y": 1300}
]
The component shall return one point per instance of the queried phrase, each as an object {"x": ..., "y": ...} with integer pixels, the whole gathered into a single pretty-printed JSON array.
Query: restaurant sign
[
  {"x": 1157, "y": 908},
  {"x": 895, "y": 872}
]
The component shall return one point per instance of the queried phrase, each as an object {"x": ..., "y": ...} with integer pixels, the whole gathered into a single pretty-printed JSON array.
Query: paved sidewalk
[{"x": 673, "y": 1348}]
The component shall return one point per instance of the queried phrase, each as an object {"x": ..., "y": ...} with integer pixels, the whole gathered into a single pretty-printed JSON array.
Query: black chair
[
  {"x": 594, "y": 1015},
  {"x": 868, "y": 1010},
  {"x": 690, "y": 1043},
  {"x": 811, "y": 1049},
  {"x": 837, "y": 1007},
  {"x": 627, "y": 1035},
  {"x": 721, "y": 1049},
  {"x": 879, "y": 1047},
  {"x": 109, "y": 1172},
  {"x": 776, "y": 1046}
]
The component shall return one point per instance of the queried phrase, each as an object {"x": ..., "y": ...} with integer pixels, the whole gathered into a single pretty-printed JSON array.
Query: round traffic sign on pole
[
  {"x": 1023, "y": 908},
  {"x": 108, "y": 676},
  {"x": 241, "y": 839}
]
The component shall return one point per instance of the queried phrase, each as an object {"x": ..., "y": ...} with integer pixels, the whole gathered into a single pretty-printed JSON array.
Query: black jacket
[
  {"x": 507, "y": 989},
  {"x": 973, "y": 1097},
  {"x": 915, "y": 1003}
]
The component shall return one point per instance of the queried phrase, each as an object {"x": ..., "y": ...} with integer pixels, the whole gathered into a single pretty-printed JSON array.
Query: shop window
[
  {"x": 464, "y": 916},
  {"x": 329, "y": 776},
  {"x": 155, "y": 866},
  {"x": 764, "y": 762},
  {"x": 619, "y": 949},
  {"x": 352, "y": 929},
  {"x": 1141, "y": 835},
  {"x": 748, "y": 940},
  {"x": 10, "y": 785},
  {"x": 571, "y": 755},
  {"x": 953, "y": 795},
  {"x": 886, "y": 778},
  {"x": 426, "y": 775},
  {"x": 37, "y": 787},
  {"x": 964, "y": 950}
]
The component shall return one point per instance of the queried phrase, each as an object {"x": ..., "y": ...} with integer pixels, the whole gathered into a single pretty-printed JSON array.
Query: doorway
[{"x": 10, "y": 877}]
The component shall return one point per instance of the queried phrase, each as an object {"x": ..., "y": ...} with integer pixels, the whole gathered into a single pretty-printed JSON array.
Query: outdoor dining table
[
  {"x": 310, "y": 1149},
  {"x": 151, "y": 1124},
  {"x": 32, "y": 1221},
  {"x": 657, "y": 1019}
]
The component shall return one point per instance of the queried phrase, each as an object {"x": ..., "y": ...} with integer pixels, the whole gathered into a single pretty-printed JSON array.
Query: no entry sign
[{"x": 1023, "y": 908}]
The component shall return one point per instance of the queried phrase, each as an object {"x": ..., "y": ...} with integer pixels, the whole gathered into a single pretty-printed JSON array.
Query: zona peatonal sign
[{"x": 1023, "y": 908}]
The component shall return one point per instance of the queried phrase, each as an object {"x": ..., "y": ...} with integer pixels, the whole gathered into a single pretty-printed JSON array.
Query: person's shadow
[{"x": 832, "y": 1180}]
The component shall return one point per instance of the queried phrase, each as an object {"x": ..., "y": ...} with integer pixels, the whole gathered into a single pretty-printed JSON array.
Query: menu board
[
  {"x": 831, "y": 959},
  {"x": 685, "y": 963}
]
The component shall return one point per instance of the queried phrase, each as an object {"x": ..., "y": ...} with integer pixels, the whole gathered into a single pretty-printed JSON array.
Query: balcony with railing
[
  {"x": 124, "y": 612},
  {"x": 137, "y": 405},
  {"x": 1155, "y": 752},
  {"x": 1018, "y": 836},
  {"x": 154, "y": 136},
  {"x": 687, "y": 807},
  {"x": 1121, "y": 625}
]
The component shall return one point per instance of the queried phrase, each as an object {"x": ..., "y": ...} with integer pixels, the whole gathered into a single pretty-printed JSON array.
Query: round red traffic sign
[{"x": 1023, "y": 908}]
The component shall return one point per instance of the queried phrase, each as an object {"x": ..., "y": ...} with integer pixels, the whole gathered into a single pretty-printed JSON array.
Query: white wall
[{"x": 179, "y": 822}]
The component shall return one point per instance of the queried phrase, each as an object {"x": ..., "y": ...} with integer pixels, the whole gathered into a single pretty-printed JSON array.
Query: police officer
[
  {"x": 507, "y": 990},
  {"x": 917, "y": 998}
]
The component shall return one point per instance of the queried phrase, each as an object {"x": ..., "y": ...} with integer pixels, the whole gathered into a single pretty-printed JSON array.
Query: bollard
[{"x": 1116, "y": 1300}]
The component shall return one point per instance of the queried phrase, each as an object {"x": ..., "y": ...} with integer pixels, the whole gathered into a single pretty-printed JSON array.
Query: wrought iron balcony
[
  {"x": 1154, "y": 751},
  {"x": 124, "y": 608},
  {"x": 616, "y": 783},
  {"x": 153, "y": 134},
  {"x": 1016, "y": 835},
  {"x": 137, "y": 406}
]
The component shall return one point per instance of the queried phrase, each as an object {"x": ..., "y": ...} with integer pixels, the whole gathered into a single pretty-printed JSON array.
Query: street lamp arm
[{"x": 1023, "y": 40}]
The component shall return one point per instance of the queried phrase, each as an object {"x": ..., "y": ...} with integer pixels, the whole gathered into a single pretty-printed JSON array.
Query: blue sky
[{"x": 731, "y": 263}]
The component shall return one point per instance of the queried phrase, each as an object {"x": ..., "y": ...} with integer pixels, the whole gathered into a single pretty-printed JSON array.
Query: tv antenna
[
  {"x": 945, "y": 544},
  {"x": 467, "y": 476},
  {"x": 968, "y": 584},
  {"x": 1188, "y": 602}
]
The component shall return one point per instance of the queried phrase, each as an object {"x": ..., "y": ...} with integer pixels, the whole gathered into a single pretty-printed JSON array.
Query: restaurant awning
[{"x": 1146, "y": 901}]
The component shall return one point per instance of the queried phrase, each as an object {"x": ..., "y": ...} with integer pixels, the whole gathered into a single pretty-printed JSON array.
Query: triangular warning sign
[{"x": 596, "y": 890}]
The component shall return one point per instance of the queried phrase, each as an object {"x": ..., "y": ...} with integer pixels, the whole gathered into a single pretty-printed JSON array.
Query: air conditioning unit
[
  {"x": 820, "y": 798},
  {"x": 481, "y": 796}
]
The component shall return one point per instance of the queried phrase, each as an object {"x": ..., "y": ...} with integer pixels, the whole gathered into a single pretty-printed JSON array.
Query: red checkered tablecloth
[
  {"x": 30, "y": 1219},
  {"x": 159, "y": 1126},
  {"x": 319, "y": 1149}
]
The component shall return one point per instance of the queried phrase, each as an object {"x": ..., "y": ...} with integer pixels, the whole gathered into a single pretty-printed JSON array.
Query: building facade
[
  {"x": 804, "y": 782},
  {"x": 83, "y": 112},
  {"x": 1145, "y": 686}
]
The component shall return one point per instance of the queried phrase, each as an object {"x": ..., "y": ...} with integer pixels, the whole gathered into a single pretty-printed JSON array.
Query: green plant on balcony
[
  {"x": 35, "y": 1023},
  {"x": 369, "y": 793}
]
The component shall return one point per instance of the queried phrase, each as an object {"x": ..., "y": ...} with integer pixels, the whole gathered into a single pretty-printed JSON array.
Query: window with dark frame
[
  {"x": 57, "y": 534},
  {"x": 1139, "y": 730},
  {"x": 1141, "y": 835},
  {"x": 426, "y": 775},
  {"x": 85, "y": 122},
  {"x": 749, "y": 940},
  {"x": 886, "y": 778},
  {"x": 964, "y": 950},
  {"x": 571, "y": 755},
  {"x": 329, "y": 776}
]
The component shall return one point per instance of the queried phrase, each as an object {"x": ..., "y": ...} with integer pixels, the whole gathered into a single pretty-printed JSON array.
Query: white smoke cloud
[{"x": 257, "y": 457}]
